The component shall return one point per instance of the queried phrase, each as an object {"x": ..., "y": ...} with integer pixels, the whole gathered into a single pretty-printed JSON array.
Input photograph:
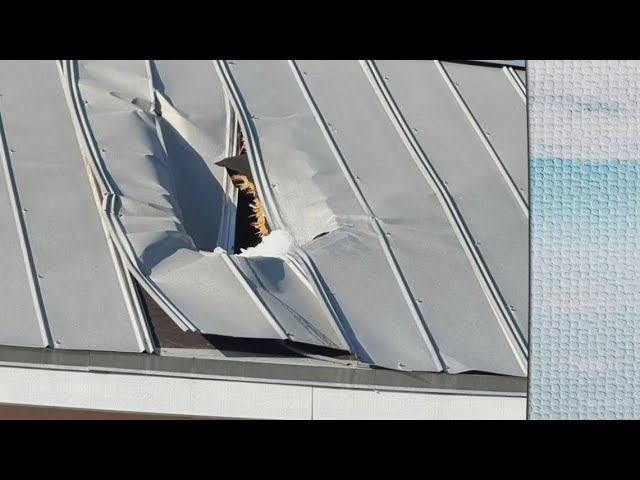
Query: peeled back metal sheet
[
  {"x": 207, "y": 291},
  {"x": 83, "y": 301},
  {"x": 490, "y": 210},
  {"x": 194, "y": 130}
]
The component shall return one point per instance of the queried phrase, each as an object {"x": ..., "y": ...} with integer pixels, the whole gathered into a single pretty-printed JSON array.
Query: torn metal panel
[
  {"x": 499, "y": 110},
  {"x": 83, "y": 300},
  {"x": 201, "y": 290},
  {"x": 481, "y": 195}
]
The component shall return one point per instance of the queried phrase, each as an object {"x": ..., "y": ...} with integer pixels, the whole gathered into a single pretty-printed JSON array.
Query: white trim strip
[
  {"x": 233, "y": 399},
  {"x": 511, "y": 76}
]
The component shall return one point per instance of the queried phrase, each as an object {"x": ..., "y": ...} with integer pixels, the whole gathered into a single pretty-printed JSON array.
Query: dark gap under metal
[{"x": 164, "y": 331}]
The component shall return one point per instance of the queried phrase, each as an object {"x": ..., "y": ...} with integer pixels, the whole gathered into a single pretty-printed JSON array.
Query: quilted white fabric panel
[{"x": 585, "y": 301}]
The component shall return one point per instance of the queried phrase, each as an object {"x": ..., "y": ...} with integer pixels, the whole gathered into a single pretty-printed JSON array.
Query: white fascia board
[{"x": 237, "y": 399}]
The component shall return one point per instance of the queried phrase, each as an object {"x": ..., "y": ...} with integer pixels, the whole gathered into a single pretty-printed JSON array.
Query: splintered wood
[{"x": 245, "y": 185}]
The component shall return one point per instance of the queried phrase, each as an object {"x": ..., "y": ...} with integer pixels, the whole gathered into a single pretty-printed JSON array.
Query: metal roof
[
  {"x": 63, "y": 286},
  {"x": 402, "y": 183}
]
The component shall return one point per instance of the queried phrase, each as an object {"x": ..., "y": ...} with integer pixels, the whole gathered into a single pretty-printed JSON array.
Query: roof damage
[{"x": 400, "y": 186}]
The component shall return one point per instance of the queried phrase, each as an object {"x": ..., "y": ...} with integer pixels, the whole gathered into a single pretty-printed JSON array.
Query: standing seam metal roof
[{"x": 404, "y": 190}]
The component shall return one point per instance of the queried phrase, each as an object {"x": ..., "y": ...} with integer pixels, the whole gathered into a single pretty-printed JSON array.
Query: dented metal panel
[{"x": 82, "y": 299}]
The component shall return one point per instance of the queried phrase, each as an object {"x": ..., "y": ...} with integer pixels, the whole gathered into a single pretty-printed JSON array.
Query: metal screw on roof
[
  {"x": 512, "y": 308},
  {"x": 304, "y": 73},
  {"x": 386, "y": 78},
  {"x": 419, "y": 301},
  {"x": 86, "y": 102},
  {"x": 58, "y": 342},
  {"x": 488, "y": 134},
  {"x": 230, "y": 62},
  {"x": 40, "y": 276},
  {"x": 415, "y": 129},
  {"x": 357, "y": 178},
  {"x": 102, "y": 150},
  {"x": 12, "y": 150},
  {"x": 25, "y": 209},
  {"x": 400, "y": 365}
]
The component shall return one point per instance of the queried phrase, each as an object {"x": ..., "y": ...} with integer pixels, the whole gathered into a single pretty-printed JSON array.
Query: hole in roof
[{"x": 251, "y": 221}]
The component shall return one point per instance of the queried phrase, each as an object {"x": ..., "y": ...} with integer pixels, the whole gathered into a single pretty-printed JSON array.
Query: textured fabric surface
[{"x": 585, "y": 289}]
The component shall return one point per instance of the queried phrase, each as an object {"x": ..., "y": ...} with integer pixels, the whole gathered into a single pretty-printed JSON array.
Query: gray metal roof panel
[
  {"x": 499, "y": 109},
  {"x": 83, "y": 300},
  {"x": 20, "y": 311},
  {"x": 490, "y": 211}
]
